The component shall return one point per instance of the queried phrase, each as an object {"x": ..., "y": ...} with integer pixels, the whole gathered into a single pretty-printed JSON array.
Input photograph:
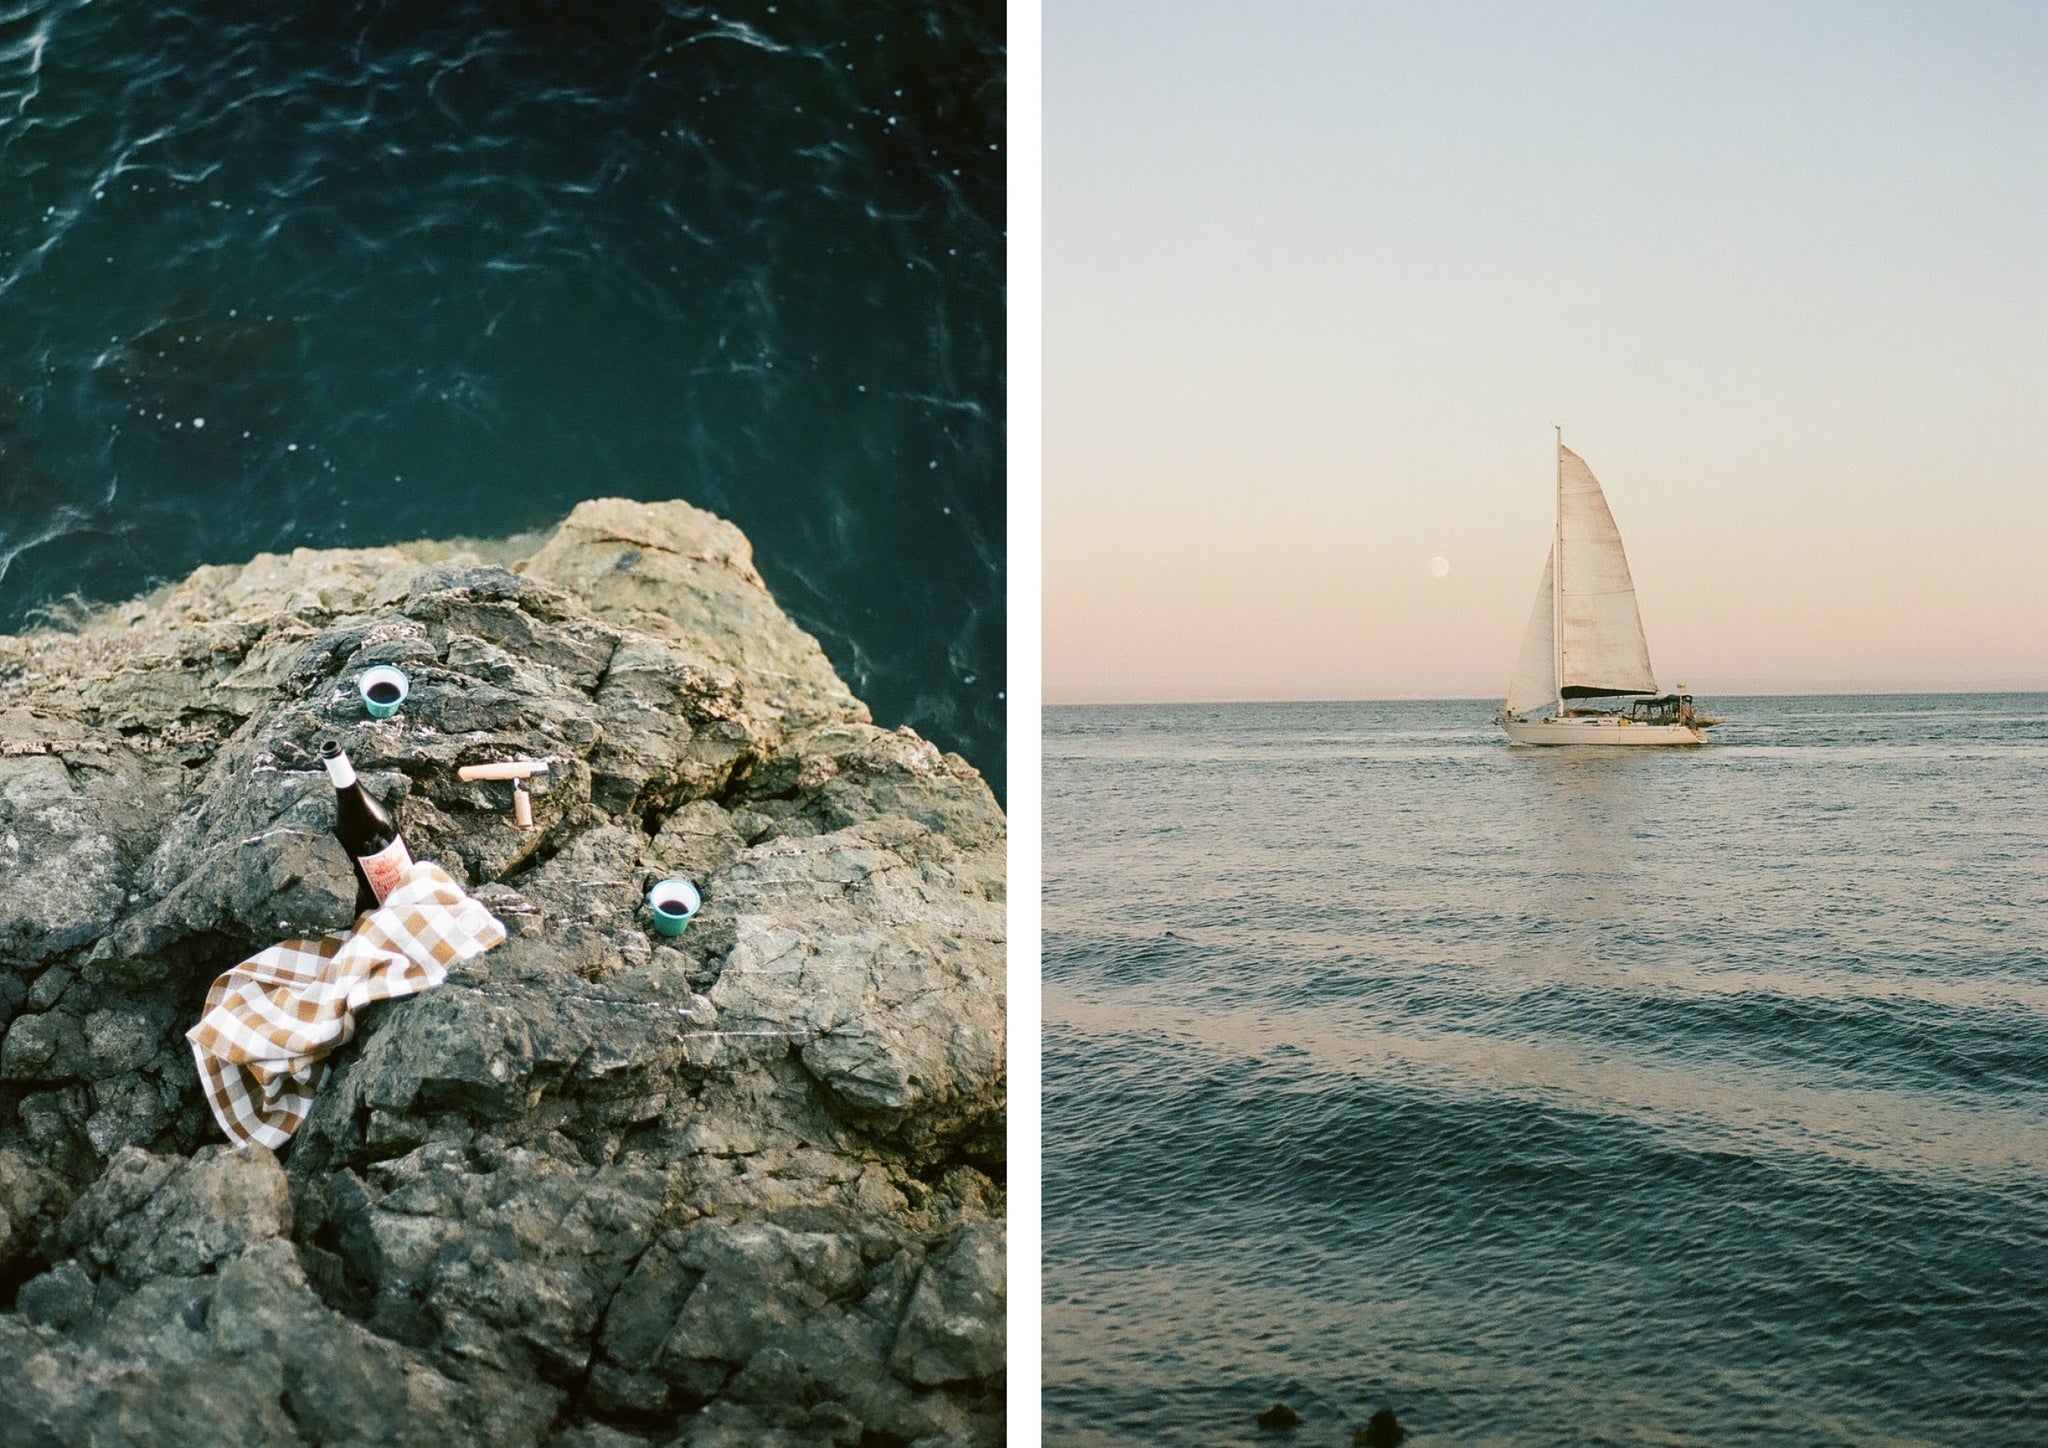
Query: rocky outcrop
[{"x": 741, "y": 1186}]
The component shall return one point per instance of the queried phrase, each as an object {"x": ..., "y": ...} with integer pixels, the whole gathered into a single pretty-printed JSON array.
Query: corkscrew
[{"x": 516, "y": 770}]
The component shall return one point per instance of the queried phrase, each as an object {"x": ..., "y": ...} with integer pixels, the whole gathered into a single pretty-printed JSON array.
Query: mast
[{"x": 1557, "y": 582}]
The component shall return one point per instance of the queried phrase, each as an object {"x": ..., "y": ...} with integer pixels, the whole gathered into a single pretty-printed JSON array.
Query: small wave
[
  {"x": 739, "y": 32},
  {"x": 1718, "y": 1103},
  {"x": 60, "y": 524}
]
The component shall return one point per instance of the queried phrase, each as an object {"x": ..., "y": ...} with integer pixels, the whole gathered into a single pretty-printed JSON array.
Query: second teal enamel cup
[{"x": 673, "y": 903}]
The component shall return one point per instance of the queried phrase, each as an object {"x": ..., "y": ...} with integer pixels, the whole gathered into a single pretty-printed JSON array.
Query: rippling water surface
[
  {"x": 1548, "y": 1095},
  {"x": 339, "y": 274}
]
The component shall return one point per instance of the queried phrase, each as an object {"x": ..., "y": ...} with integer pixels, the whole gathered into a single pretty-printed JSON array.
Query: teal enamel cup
[
  {"x": 383, "y": 689},
  {"x": 673, "y": 904}
]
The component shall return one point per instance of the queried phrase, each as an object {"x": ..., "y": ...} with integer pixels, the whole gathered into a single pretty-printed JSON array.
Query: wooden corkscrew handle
[{"x": 503, "y": 769}]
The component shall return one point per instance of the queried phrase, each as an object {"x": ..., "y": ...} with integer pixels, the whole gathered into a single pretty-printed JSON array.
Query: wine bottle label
[{"x": 385, "y": 868}]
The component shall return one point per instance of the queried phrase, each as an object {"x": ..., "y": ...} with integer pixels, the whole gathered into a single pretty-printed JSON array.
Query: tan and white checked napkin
[{"x": 263, "y": 1042}]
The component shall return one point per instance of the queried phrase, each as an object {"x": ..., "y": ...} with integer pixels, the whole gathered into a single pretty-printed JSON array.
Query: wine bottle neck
[{"x": 340, "y": 771}]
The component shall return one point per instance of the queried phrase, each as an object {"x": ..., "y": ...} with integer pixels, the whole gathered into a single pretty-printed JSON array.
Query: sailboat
[{"x": 1585, "y": 638}]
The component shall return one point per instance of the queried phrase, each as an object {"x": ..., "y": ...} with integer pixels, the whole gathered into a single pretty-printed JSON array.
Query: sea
[
  {"x": 340, "y": 274},
  {"x": 1547, "y": 1096}
]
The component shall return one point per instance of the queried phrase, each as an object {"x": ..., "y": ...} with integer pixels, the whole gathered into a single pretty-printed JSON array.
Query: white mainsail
[
  {"x": 1585, "y": 634},
  {"x": 1601, "y": 649}
]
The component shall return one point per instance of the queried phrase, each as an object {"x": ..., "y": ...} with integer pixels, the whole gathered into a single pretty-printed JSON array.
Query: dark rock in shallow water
[
  {"x": 1382, "y": 1430},
  {"x": 604, "y": 1187},
  {"x": 1279, "y": 1418}
]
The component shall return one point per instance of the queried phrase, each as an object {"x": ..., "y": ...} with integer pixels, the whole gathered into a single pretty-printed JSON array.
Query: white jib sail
[
  {"x": 1535, "y": 680},
  {"x": 1601, "y": 644}
]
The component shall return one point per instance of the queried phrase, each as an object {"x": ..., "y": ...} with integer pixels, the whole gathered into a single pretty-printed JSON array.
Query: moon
[{"x": 1440, "y": 565}]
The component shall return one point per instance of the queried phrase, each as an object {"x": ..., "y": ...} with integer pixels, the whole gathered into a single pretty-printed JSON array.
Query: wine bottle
[{"x": 366, "y": 830}]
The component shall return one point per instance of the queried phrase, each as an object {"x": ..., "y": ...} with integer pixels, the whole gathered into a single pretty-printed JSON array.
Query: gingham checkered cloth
[{"x": 262, "y": 1044}]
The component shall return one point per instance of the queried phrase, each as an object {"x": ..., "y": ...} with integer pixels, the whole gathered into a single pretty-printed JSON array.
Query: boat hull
[{"x": 1605, "y": 731}]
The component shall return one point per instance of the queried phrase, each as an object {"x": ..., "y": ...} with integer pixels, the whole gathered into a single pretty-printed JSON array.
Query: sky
[{"x": 1320, "y": 276}]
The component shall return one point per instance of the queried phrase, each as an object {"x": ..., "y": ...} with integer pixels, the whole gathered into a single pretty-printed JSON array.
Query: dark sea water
[
  {"x": 1547, "y": 1096},
  {"x": 340, "y": 274}
]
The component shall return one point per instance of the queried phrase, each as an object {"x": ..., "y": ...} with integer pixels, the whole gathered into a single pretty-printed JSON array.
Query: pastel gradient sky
[{"x": 1321, "y": 274}]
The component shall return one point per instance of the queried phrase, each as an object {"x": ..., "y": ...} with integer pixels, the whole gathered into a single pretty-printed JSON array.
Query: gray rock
[
  {"x": 151, "y": 1216},
  {"x": 67, "y": 836},
  {"x": 595, "y": 1435},
  {"x": 61, "y": 1297},
  {"x": 843, "y": 773},
  {"x": 702, "y": 838},
  {"x": 683, "y": 576},
  {"x": 33, "y": 1201},
  {"x": 603, "y": 1186},
  {"x": 876, "y": 948},
  {"x": 952, "y": 1332},
  {"x": 754, "y": 1284},
  {"x": 247, "y": 1355}
]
